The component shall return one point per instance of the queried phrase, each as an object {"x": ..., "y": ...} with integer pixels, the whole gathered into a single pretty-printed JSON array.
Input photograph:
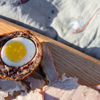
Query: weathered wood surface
[{"x": 68, "y": 60}]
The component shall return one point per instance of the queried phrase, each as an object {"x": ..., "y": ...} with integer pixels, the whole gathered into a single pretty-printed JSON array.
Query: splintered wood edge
[{"x": 89, "y": 80}]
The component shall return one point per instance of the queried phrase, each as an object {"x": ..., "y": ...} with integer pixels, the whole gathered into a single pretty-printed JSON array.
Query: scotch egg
[{"x": 20, "y": 55}]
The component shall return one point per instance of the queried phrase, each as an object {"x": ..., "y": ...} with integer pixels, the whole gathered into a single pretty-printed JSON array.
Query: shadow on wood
[{"x": 73, "y": 65}]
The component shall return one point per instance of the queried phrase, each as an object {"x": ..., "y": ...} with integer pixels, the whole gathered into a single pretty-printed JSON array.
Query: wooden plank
[{"x": 68, "y": 60}]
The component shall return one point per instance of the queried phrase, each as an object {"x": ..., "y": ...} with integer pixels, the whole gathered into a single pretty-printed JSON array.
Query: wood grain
[{"x": 68, "y": 60}]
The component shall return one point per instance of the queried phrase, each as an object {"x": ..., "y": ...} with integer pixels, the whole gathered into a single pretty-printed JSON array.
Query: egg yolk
[{"x": 15, "y": 51}]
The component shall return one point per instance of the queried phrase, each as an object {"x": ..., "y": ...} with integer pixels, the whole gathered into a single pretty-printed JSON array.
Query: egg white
[{"x": 30, "y": 48}]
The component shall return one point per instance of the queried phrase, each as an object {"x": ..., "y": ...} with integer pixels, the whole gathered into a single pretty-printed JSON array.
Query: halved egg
[
  {"x": 20, "y": 55},
  {"x": 18, "y": 51}
]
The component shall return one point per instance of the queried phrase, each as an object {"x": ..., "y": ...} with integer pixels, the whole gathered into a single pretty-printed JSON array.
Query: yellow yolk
[{"x": 15, "y": 51}]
